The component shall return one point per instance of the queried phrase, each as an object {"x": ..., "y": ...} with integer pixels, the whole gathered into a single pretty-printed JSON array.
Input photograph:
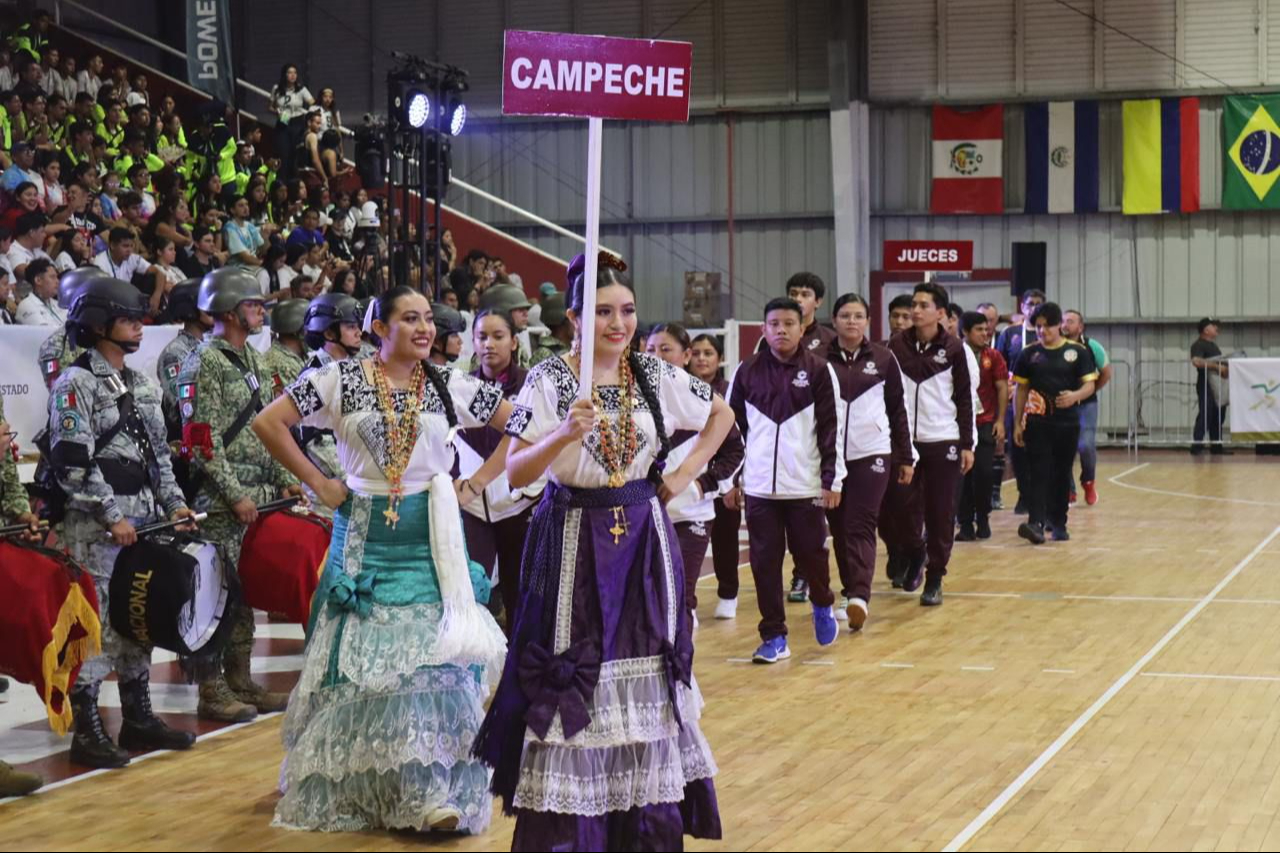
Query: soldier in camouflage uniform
[
  {"x": 222, "y": 386},
  {"x": 333, "y": 332},
  {"x": 14, "y": 509},
  {"x": 287, "y": 356},
  {"x": 57, "y": 352},
  {"x": 553, "y": 317},
  {"x": 195, "y": 325},
  {"x": 111, "y": 487}
]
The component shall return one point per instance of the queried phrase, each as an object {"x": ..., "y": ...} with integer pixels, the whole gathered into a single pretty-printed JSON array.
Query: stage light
[
  {"x": 458, "y": 118},
  {"x": 419, "y": 108}
]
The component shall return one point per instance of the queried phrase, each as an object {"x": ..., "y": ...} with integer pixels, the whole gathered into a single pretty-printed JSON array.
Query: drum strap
[{"x": 255, "y": 400}]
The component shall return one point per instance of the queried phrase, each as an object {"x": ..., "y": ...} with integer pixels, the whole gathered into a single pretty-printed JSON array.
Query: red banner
[
  {"x": 595, "y": 76},
  {"x": 928, "y": 255},
  {"x": 968, "y": 160}
]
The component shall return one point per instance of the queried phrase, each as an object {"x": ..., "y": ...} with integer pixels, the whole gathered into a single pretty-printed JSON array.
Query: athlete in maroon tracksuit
[
  {"x": 939, "y": 397},
  {"x": 877, "y": 447}
]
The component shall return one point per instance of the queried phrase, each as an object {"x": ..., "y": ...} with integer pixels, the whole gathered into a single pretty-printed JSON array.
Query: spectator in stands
[
  {"x": 110, "y": 196},
  {"x": 243, "y": 170},
  {"x": 139, "y": 94},
  {"x": 85, "y": 174},
  {"x": 309, "y": 231},
  {"x": 8, "y": 304},
  {"x": 52, "y": 77},
  {"x": 41, "y": 307},
  {"x": 278, "y": 205},
  {"x": 303, "y": 287},
  {"x": 138, "y": 118},
  {"x": 295, "y": 257},
  {"x": 28, "y": 242},
  {"x": 11, "y": 128},
  {"x": 203, "y": 257},
  {"x": 89, "y": 79},
  {"x": 6, "y": 242},
  {"x": 30, "y": 75},
  {"x": 328, "y": 105},
  {"x": 172, "y": 222},
  {"x": 77, "y": 215},
  {"x": 448, "y": 297},
  {"x": 344, "y": 281},
  {"x": 67, "y": 71},
  {"x": 72, "y": 251},
  {"x": 139, "y": 181},
  {"x": 131, "y": 213},
  {"x": 112, "y": 127},
  {"x": 274, "y": 276},
  {"x": 1211, "y": 375},
  {"x": 24, "y": 200},
  {"x": 243, "y": 239},
  {"x": 7, "y": 76},
  {"x": 321, "y": 149},
  {"x": 58, "y": 121},
  {"x": 449, "y": 250},
  {"x": 120, "y": 82},
  {"x": 55, "y": 195},
  {"x": 35, "y": 121},
  {"x": 467, "y": 277},
  {"x": 119, "y": 261},
  {"x": 289, "y": 102},
  {"x": 22, "y": 170},
  {"x": 320, "y": 266},
  {"x": 32, "y": 38},
  {"x": 259, "y": 208},
  {"x": 166, "y": 255}
]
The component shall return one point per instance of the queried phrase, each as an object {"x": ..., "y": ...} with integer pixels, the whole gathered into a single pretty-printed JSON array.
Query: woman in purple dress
[{"x": 593, "y": 733}]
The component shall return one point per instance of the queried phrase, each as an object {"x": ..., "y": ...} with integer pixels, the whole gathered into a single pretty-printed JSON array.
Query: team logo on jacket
[
  {"x": 878, "y": 466},
  {"x": 952, "y": 456},
  {"x": 698, "y": 528},
  {"x": 801, "y": 380},
  {"x": 940, "y": 356},
  {"x": 1071, "y": 355},
  {"x": 870, "y": 369},
  {"x": 815, "y": 343}
]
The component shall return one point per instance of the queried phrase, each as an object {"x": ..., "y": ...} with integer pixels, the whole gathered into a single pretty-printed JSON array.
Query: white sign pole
[{"x": 587, "y": 321}]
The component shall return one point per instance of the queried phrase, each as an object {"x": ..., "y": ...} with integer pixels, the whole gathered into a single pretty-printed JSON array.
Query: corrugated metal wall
[
  {"x": 972, "y": 49},
  {"x": 665, "y": 196}
]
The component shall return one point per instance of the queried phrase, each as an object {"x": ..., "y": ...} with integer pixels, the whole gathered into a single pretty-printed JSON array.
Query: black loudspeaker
[{"x": 1028, "y": 267}]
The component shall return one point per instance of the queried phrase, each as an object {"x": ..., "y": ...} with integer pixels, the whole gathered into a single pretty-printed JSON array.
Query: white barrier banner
[
  {"x": 1255, "y": 399},
  {"x": 26, "y": 401}
]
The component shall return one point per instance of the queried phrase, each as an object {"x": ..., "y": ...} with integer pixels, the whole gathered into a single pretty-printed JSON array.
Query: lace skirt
[
  {"x": 379, "y": 729},
  {"x": 612, "y": 756}
]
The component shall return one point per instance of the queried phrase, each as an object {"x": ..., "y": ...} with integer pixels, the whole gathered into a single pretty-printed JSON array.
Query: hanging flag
[
  {"x": 1251, "y": 137},
  {"x": 1062, "y": 157},
  {"x": 968, "y": 160},
  {"x": 1162, "y": 155},
  {"x": 209, "y": 49}
]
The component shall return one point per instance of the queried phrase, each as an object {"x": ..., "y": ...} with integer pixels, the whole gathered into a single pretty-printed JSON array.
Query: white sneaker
[
  {"x": 841, "y": 607},
  {"x": 727, "y": 608},
  {"x": 855, "y": 613}
]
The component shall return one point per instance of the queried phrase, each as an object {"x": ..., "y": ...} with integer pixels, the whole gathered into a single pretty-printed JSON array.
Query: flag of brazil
[{"x": 1251, "y": 168}]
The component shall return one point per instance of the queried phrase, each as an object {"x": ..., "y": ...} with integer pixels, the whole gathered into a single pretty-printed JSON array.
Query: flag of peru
[
  {"x": 1062, "y": 157},
  {"x": 1162, "y": 155},
  {"x": 968, "y": 160}
]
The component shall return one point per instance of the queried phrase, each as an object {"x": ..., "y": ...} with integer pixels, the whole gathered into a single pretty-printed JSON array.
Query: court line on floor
[
  {"x": 1015, "y": 787},
  {"x": 1116, "y": 482},
  {"x": 1211, "y": 676}
]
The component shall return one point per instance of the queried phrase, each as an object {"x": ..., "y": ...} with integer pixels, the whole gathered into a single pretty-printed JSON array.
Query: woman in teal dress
[{"x": 400, "y": 652}]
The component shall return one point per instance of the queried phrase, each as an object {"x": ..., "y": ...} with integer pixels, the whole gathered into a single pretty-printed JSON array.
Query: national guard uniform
[
  {"x": 220, "y": 389},
  {"x": 553, "y": 314},
  {"x": 57, "y": 352},
  {"x": 283, "y": 364},
  {"x": 325, "y": 312},
  {"x": 107, "y": 449},
  {"x": 182, "y": 307}
]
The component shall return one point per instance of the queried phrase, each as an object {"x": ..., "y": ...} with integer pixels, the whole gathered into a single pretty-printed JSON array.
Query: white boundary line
[
  {"x": 1115, "y": 481},
  {"x": 1211, "y": 677},
  {"x": 976, "y": 825}
]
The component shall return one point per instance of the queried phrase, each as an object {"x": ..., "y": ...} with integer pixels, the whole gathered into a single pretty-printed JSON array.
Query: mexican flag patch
[
  {"x": 187, "y": 391},
  {"x": 173, "y": 370},
  {"x": 51, "y": 367},
  {"x": 67, "y": 400}
]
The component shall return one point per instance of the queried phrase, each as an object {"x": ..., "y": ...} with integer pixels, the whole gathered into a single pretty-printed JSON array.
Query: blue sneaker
[
  {"x": 824, "y": 625},
  {"x": 772, "y": 651}
]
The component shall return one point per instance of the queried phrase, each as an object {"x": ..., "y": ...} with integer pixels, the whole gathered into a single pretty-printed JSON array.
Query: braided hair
[
  {"x": 383, "y": 308},
  {"x": 611, "y": 271}
]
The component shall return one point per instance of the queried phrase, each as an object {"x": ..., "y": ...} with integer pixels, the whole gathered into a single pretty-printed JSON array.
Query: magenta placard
[{"x": 561, "y": 74}]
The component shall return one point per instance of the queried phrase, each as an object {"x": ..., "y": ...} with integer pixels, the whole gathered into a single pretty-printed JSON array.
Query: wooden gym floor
[{"x": 1120, "y": 691}]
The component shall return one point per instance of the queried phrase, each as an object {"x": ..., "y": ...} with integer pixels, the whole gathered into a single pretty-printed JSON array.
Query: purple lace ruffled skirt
[{"x": 613, "y": 757}]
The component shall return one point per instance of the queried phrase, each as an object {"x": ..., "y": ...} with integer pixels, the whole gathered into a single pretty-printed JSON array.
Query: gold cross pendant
[{"x": 620, "y": 526}]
